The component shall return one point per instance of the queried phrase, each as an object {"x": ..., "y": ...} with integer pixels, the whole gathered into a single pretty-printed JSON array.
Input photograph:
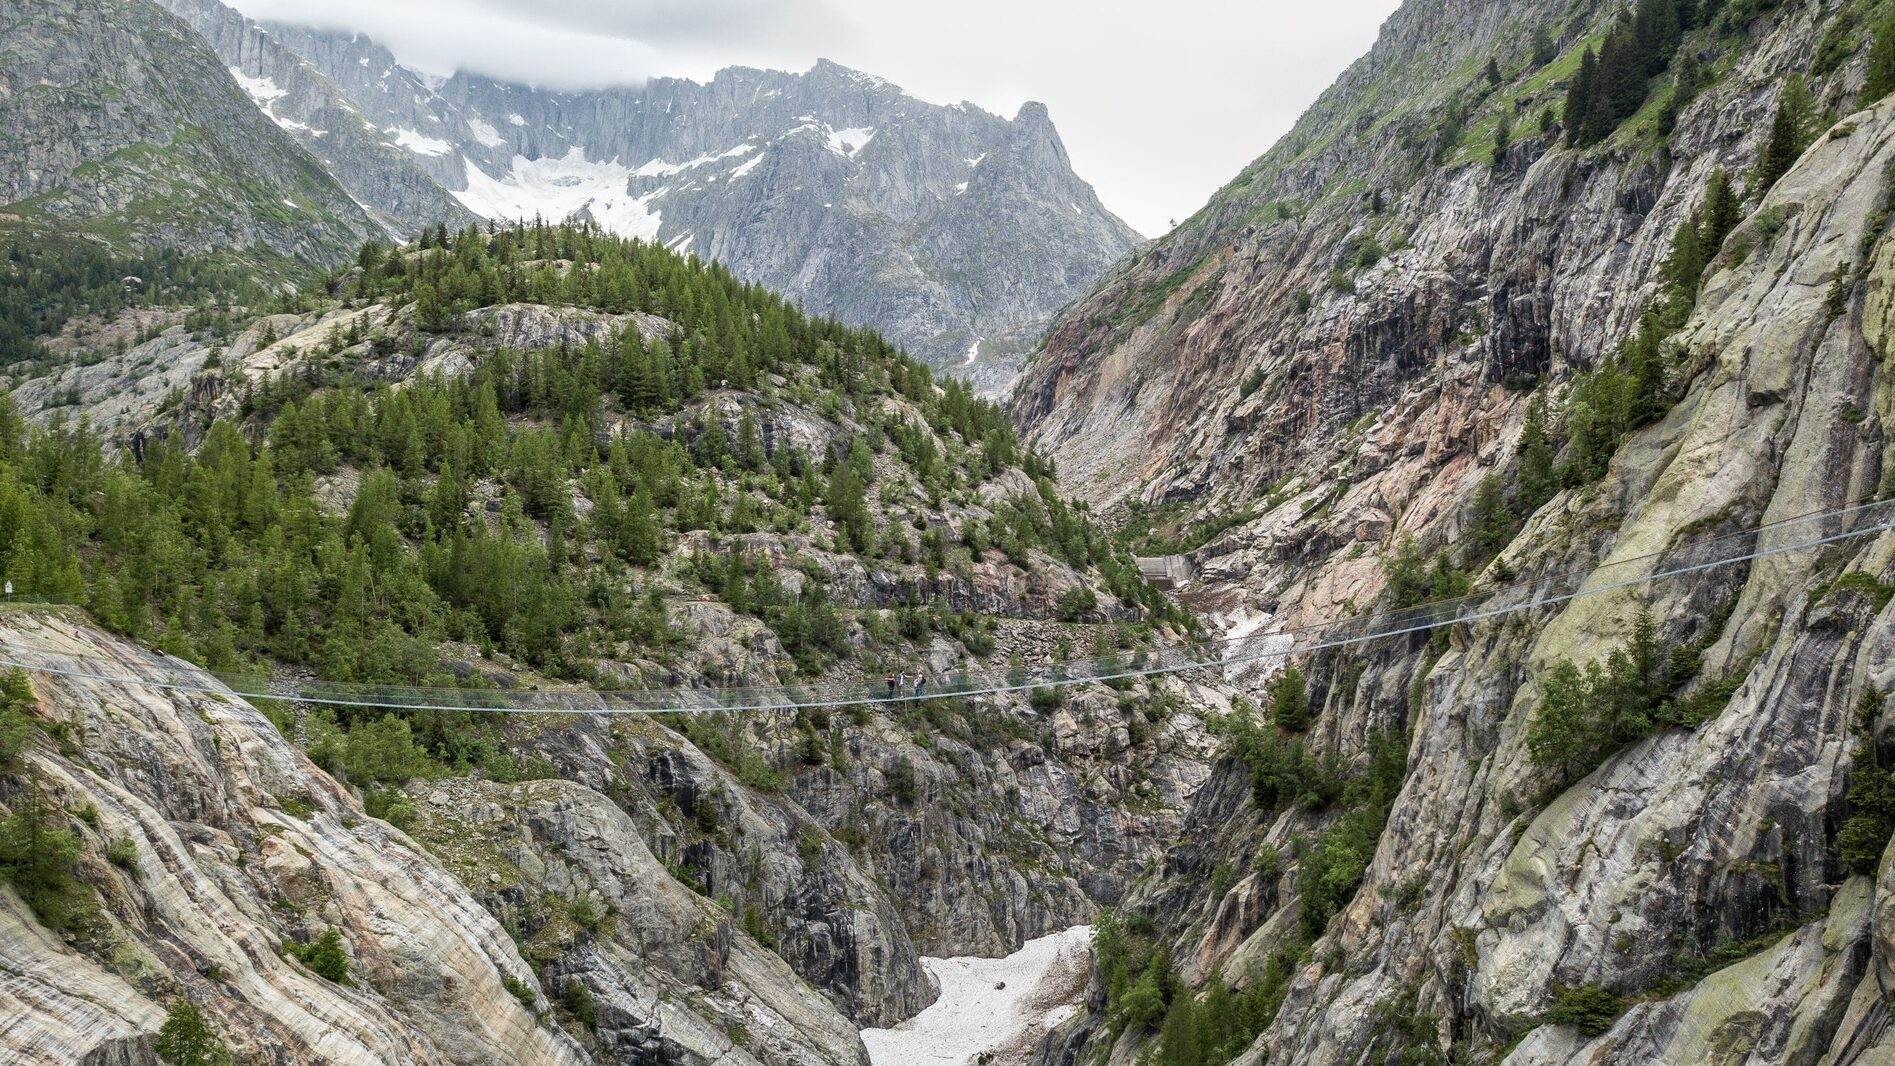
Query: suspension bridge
[{"x": 1804, "y": 533}]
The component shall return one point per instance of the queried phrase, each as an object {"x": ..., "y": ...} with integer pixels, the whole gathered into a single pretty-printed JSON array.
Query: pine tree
[
  {"x": 1655, "y": 29},
  {"x": 1622, "y": 75},
  {"x": 187, "y": 1039},
  {"x": 1722, "y": 212},
  {"x": 640, "y": 540},
  {"x": 431, "y": 311},
  {"x": 847, "y": 503},
  {"x": 1685, "y": 265},
  {"x": 1538, "y": 480},
  {"x": 1544, "y": 51},
  {"x": 1880, "y": 80},
  {"x": 1559, "y": 735},
  {"x": 1799, "y": 106},
  {"x": 1492, "y": 524},
  {"x": 1289, "y": 700},
  {"x": 1779, "y": 152},
  {"x": 1181, "y": 1037},
  {"x": 1865, "y": 833},
  {"x": 1644, "y": 359},
  {"x": 749, "y": 448},
  {"x": 1580, "y": 97}
]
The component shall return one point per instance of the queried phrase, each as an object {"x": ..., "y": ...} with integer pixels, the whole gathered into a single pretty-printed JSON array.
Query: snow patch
[
  {"x": 265, "y": 92},
  {"x": 960, "y": 188},
  {"x": 262, "y": 90},
  {"x": 658, "y": 168},
  {"x": 1242, "y": 639},
  {"x": 517, "y": 120},
  {"x": 973, "y": 353},
  {"x": 1077, "y": 211},
  {"x": 418, "y": 143},
  {"x": 559, "y": 188},
  {"x": 991, "y": 1007},
  {"x": 869, "y": 80},
  {"x": 975, "y": 161},
  {"x": 484, "y": 133},
  {"x": 850, "y": 141},
  {"x": 747, "y": 166}
]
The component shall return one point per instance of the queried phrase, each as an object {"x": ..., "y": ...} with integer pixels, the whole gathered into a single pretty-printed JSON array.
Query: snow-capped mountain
[{"x": 956, "y": 231}]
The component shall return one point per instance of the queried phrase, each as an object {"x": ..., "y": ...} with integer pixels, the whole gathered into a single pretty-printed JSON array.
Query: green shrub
[
  {"x": 382, "y": 751},
  {"x": 390, "y": 806},
  {"x": 122, "y": 852},
  {"x": 1268, "y": 863},
  {"x": 755, "y": 929},
  {"x": 901, "y": 781},
  {"x": 1590, "y": 1009},
  {"x": 1586, "y": 714},
  {"x": 1076, "y": 604},
  {"x": 1881, "y": 75},
  {"x": 1251, "y": 383},
  {"x": 1143, "y": 1005},
  {"x": 577, "y": 999},
  {"x": 1877, "y": 593},
  {"x": 521, "y": 991},
  {"x": 323, "y": 956},
  {"x": 1333, "y": 868},
  {"x": 584, "y": 914}
]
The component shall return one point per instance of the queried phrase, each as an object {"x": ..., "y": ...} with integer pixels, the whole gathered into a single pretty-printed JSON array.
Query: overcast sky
[{"x": 1159, "y": 103}]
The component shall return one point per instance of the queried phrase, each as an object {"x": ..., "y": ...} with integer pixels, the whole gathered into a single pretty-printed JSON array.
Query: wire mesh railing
[{"x": 1803, "y": 533}]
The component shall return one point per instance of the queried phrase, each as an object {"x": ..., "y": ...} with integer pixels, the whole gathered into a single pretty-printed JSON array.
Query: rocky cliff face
[
  {"x": 758, "y": 874},
  {"x": 313, "y": 110},
  {"x": 235, "y": 843},
  {"x": 954, "y": 231},
  {"x": 1690, "y": 886},
  {"x": 729, "y": 924},
  {"x": 117, "y": 122}
]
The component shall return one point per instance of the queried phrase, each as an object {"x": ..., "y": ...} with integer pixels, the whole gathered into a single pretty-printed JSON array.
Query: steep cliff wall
[
  {"x": 1686, "y": 898},
  {"x": 118, "y": 123},
  {"x": 311, "y": 108}
]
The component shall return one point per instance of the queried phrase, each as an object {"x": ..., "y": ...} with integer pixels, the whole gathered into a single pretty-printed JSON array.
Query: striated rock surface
[
  {"x": 1692, "y": 884},
  {"x": 239, "y": 842}
]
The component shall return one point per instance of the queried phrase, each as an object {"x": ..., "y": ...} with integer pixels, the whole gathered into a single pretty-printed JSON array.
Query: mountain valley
[{"x": 1536, "y": 299}]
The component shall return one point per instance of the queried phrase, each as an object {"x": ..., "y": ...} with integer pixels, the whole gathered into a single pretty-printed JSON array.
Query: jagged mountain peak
[{"x": 833, "y": 185}]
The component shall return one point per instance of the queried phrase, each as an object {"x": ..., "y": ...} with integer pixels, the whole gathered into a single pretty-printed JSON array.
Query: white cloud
[{"x": 1158, "y": 105}]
